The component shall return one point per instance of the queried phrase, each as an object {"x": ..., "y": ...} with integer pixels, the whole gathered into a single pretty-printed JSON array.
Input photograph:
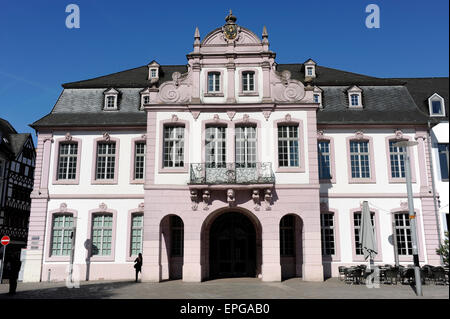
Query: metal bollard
[{"x": 48, "y": 276}]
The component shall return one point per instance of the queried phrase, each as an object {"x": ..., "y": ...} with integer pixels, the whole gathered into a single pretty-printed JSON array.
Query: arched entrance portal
[{"x": 232, "y": 247}]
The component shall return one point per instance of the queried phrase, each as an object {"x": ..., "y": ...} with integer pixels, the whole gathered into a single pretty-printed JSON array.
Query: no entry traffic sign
[{"x": 5, "y": 240}]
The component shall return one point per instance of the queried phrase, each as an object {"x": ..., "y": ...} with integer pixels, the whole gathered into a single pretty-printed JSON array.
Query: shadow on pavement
[{"x": 86, "y": 291}]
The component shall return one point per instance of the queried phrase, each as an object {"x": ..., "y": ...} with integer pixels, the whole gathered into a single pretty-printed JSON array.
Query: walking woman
[{"x": 138, "y": 265}]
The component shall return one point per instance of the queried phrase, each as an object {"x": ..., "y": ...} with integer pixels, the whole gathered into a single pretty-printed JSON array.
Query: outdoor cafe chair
[
  {"x": 342, "y": 272},
  {"x": 391, "y": 275},
  {"x": 439, "y": 275},
  {"x": 427, "y": 273}
]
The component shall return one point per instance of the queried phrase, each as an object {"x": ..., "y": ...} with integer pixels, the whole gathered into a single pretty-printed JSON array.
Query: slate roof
[
  {"x": 14, "y": 141},
  {"x": 422, "y": 88},
  {"x": 80, "y": 103}
]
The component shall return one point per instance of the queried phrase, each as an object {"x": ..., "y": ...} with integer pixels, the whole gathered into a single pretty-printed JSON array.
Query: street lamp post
[{"x": 412, "y": 214}]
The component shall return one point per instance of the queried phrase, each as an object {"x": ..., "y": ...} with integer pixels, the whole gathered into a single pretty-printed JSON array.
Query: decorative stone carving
[
  {"x": 398, "y": 134},
  {"x": 285, "y": 89},
  {"x": 359, "y": 135},
  {"x": 48, "y": 139},
  {"x": 404, "y": 205},
  {"x": 144, "y": 136},
  {"x": 231, "y": 197},
  {"x": 231, "y": 114},
  {"x": 194, "y": 198},
  {"x": 288, "y": 118},
  {"x": 195, "y": 114},
  {"x": 174, "y": 118},
  {"x": 216, "y": 117},
  {"x": 246, "y": 118},
  {"x": 176, "y": 91},
  {"x": 256, "y": 200},
  {"x": 141, "y": 207},
  {"x": 68, "y": 137},
  {"x": 268, "y": 198},
  {"x": 420, "y": 136},
  {"x": 103, "y": 206},
  {"x": 319, "y": 134},
  {"x": 206, "y": 196},
  {"x": 106, "y": 136},
  {"x": 266, "y": 114},
  {"x": 63, "y": 207}
]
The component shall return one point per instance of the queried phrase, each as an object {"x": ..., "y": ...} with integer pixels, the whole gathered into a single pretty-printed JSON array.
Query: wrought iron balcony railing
[{"x": 231, "y": 173}]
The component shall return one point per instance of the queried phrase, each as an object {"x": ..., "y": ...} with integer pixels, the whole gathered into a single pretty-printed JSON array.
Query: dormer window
[
  {"x": 214, "y": 82},
  {"x": 436, "y": 105},
  {"x": 146, "y": 99},
  {"x": 317, "y": 95},
  {"x": 310, "y": 69},
  {"x": 153, "y": 72},
  {"x": 354, "y": 97},
  {"x": 111, "y": 96}
]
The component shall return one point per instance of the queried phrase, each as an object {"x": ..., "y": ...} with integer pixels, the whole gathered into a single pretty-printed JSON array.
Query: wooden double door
[{"x": 232, "y": 246}]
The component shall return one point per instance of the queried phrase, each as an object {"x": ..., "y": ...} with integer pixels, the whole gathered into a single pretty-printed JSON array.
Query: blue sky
[{"x": 38, "y": 53}]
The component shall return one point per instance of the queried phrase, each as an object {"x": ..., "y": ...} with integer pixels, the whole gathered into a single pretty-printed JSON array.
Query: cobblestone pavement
[{"x": 240, "y": 288}]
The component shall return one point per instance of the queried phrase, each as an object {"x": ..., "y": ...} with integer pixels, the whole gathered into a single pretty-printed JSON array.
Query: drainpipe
[{"x": 436, "y": 211}]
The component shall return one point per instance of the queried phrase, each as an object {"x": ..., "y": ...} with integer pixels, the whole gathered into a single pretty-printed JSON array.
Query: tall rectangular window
[
  {"x": 359, "y": 159},
  {"x": 357, "y": 229},
  {"x": 215, "y": 140},
  {"x": 436, "y": 107},
  {"x": 111, "y": 102},
  {"x": 214, "y": 82},
  {"x": 327, "y": 227},
  {"x": 177, "y": 236},
  {"x": 287, "y": 236},
  {"x": 323, "y": 149},
  {"x": 288, "y": 153},
  {"x": 248, "y": 81},
  {"x": 102, "y": 225},
  {"x": 397, "y": 158},
  {"x": 139, "y": 160},
  {"x": 106, "y": 160},
  {"x": 173, "y": 146},
  {"x": 67, "y": 161},
  {"x": 61, "y": 231},
  {"x": 443, "y": 160},
  {"x": 245, "y": 146},
  {"x": 137, "y": 229},
  {"x": 403, "y": 233}
]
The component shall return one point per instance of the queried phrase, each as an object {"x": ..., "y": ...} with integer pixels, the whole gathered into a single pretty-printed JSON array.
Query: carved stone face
[{"x": 230, "y": 31}]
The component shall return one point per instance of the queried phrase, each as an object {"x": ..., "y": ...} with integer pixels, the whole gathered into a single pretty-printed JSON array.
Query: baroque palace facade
[{"x": 229, "y": 166}]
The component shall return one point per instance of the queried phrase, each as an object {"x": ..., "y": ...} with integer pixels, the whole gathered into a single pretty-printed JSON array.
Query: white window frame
[
  {"x": 355, "y": 90},
  {"x": 359, "y": 154},
  {"x": 331, "y": 228},
  {"x": 136, "y": 155},
  {"x": 249, "y": 76},
  {"x": 111, "y": 93},
  {"x": 404, "y": 229},
  {"x": 436, "y": 97},
  {"x": 217, "y": 143},
  {"x": 176, "y": 143},
  {"x": 102, "y": 229},
  {"x": 107, "y": 161},
  {"x": 216, "y": 82},
  {"x": 289, "y": 140},
  {"x": 62, "y": 236},
  {"x": 138, "y": 228},
  {"x": 249, "y": 152},
  {"x": 69, "y": 156}
]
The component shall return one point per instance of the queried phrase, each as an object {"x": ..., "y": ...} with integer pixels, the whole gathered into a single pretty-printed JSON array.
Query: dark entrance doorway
[{"x": 232, "y": 249}]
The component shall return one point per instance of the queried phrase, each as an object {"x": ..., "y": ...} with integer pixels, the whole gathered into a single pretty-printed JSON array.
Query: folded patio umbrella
[{"x": 368, "y": 242}]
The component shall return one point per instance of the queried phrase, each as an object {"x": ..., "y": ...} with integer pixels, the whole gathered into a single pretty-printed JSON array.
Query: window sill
[
  {"x": 175, "y": 170},
  {"x": 252, "y": 93},
  {"x": 400, "y": 181},
  {"x": 104, "y": 182},
  {"x": 137, "y": 181},
  {"x": 327, "y": 181},
  {"x": 219, "y": 94},
  {"x": 66, "y": 182},
  {"x": 102, "y": 259},
  {"x": 290, "y": 170},
  {"x": 58, "y": 259},
  {"x": 362, "y": 181}
]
